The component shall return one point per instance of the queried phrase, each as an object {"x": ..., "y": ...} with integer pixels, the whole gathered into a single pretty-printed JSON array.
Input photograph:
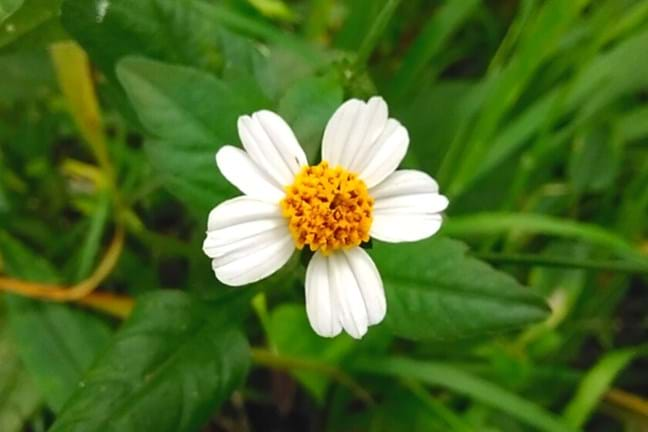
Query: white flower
[{"x": 332, "y": 207}]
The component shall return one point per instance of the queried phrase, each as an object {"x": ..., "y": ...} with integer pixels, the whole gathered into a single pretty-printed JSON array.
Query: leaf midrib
[
  {"x": 128, "y": 403},
  {"x": 418, "y": 285}
]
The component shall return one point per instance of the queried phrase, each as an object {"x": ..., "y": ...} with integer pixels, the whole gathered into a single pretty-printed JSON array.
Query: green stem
[
  {"x": 551, "y": 261},
  {"x": 287, "y": 363},
  {"x": 375, "y": 32}
]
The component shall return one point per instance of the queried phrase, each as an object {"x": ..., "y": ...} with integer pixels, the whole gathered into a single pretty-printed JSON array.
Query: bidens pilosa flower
[{"x": 332, "y": 208}]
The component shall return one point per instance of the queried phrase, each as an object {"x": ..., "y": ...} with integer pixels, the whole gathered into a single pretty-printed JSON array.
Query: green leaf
[
  {"x": 172, "y": 31},
  {"x": 596, "y": 382},
  {"x": 8, "y": 7},
  {"x": 290, "y": 333},
  {"x": 502, "y": 88},
  {"x": 434, "y": 36},
  {"x": 608, "y": 76},
  {"x": 55, "y": 342},
  {"x": 435, "y": 292},
  {"x": 189, "y": 115},
  {"x": 448, "y": 376},
  {"x": 184, "y": 32},
  {"x": 20, "y": 397},
  {"x": 168, "y": 369},
  {"x": 594, "y": 161},
  {"x": 307, "y": 106},
  {"x": 487, "y": 223},
  {"x": 32, "y": 15}
]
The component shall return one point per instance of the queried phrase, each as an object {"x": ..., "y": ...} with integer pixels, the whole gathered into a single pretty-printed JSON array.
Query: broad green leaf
[
  {"x": 29, "y": 17},
  {"x": 184, "y": 32},
  {"x": 452, "y": 378},
  {"x": 307, "y": 106},
  {"x": 172, "y": 31},
  {"x": 8, "y": 7},
  {"x": 435, "y": 292},
  {"x": 290, "y": 333},
  {"x": 55, "y": 342},
  {"x": 20, "y": 397},
  {"x": 168, "y": 369},
  {"x": 189, "y": 115}
]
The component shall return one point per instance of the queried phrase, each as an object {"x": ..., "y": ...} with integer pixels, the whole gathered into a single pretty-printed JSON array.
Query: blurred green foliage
[{"x": 531, "y": 114}]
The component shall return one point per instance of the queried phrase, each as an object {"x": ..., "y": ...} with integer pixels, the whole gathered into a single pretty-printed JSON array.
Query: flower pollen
[{"x": 327, "y": 209}]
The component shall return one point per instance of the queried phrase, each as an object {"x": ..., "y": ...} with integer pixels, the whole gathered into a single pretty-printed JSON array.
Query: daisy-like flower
[{"x": 333, "y": 207}]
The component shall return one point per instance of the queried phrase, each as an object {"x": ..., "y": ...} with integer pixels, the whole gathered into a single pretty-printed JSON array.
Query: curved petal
[
  {"x": 237, "y": 167},
  {"x": 407, "y": 207},
  {"x": 368, "y": 280},
  {"x": 247, "y": 239},
  {"x": 319, "y": 303},
  {"x": 385, "y": 154},
  {"x": 347, "y": 298},
  {"x": 352, "y": 129},
  {"x": 272, "y": 145}
]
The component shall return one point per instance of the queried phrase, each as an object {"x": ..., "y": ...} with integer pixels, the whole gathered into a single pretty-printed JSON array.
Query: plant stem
[
  {"x": 267, "y": 358},
  {"x": 375, "y": 32},
  {"x": 552, "y": 261},
  {"x": 75, "y": 292}
]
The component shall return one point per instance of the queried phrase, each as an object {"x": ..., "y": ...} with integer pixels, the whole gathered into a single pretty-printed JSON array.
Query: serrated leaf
[
  {"x": 189, "y": 115},
  {"x": 434, "y": 291},
  {"x": 168, "y": 369},
  {"x": 307, "y": 106},
  {"x": 190, "y": 32},
  {"x": 172, "y": 31},
  {"x": 55, "y": 342}
]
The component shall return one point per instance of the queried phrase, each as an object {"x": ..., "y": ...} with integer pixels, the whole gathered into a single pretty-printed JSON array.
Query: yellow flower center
[{"x": 327, "y": 209}]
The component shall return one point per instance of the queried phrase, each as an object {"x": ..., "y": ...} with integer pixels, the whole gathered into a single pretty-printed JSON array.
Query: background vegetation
[{"x": 531, "y": 114}]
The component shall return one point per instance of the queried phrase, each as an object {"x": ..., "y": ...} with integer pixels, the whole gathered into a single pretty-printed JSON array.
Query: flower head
[{"x": 332, "y": 208}]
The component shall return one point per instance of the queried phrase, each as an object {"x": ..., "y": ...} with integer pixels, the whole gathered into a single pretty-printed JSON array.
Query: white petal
[
  {"x": 347, "y": 296},
  {"x": 272, "y": 145},
  {"x": 247, "y": 239},
  {"x": 319, "y": 303},
  {"x": 237, "y": 167},
  {"x": 337, "y": 130},
  {"x": 407, "y": 207},
  {"x": 412, "y": 181},
  {"x": 351, "y": 130},
  {"x": 404, "y": 228},
  {"x": 385, "y": 154},
  {"x": 368, "y": 279}
]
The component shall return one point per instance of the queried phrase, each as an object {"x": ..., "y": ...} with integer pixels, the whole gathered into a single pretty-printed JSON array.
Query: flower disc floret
[{"x": 328, "y": 209}]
